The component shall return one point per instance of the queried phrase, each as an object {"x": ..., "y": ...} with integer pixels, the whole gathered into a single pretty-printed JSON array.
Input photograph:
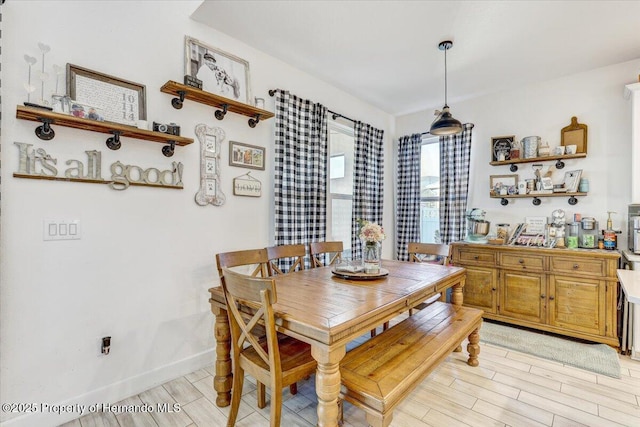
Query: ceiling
[{"x": 386, "y": 52}]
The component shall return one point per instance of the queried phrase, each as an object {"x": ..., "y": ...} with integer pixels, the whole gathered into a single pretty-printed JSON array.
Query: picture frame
[
  {"x": 502, "y": 185},
  {"x": 210, "y": 192},
  {"x": 246, "y": 156},
  {"x": 501, "y": 145},
  {"x": 247, "y": 186},
  {"x": 572, "y": 180},
  {"x": 220, "y": 72},
  {"x": 119, "y": 101},
  {"x": 574, "y": 134}
]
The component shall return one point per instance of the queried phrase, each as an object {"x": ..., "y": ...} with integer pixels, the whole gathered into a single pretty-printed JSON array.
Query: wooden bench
[{"x": 378, "y": 374}]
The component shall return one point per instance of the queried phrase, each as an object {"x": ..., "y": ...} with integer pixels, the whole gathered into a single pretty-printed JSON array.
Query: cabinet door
[
  {"x": 577, "y": 304},
  {"x": 522, "y": 296},
  {"x": 480, "y": 289}
]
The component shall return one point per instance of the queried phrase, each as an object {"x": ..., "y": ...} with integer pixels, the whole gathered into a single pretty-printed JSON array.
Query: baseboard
[{"x": 114, "y": 392}]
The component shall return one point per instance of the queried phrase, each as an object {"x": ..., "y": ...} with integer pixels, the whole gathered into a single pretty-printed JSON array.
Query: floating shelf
[
  {"x": 559, "y": 160},
  {"x": 49, "y": 118},
  {"x": 536, "y": 197},
  {"x": 225, "y": 104}
]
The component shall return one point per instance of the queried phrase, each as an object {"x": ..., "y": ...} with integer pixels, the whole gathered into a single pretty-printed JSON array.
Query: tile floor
[{"x": 507, "y": 389}]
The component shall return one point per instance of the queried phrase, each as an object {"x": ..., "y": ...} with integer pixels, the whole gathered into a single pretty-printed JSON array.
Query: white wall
[
  {"x": 141, "y": 271},
  {"x": 596, "y": 98}
]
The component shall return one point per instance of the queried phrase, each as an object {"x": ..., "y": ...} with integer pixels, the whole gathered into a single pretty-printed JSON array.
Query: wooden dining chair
[
  {"x": 278, "y": 360},
  {"x": 250, "y": 257},
  {"x": 429, "y": 252},
  {"x": 296, "y": 252},
  {"x": 319, "y": 251},
  {"x": 434, "y": 253}
]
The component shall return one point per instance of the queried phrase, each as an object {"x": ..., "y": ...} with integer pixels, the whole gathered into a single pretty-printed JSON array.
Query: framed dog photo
[
  {"x": 221, "y": 73},
  {"x": 246, "y": 156}
]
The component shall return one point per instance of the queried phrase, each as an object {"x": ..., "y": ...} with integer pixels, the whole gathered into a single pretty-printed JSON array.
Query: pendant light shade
[{"x": 445, "y": 124}]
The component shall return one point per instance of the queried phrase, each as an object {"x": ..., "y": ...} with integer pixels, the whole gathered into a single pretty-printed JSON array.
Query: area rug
[{"x": 598, "y": 358}]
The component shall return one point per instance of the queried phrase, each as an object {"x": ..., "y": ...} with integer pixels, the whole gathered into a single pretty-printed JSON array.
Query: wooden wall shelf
[
  {"x": 183, "y": 92},
  {"x": 558, "y": 159},
  {"x": 536, "y": 197},
  {"x": 49, "y": 118}
]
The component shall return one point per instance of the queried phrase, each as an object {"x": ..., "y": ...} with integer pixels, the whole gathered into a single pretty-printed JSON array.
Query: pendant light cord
[{"x": 445, "y": 76}]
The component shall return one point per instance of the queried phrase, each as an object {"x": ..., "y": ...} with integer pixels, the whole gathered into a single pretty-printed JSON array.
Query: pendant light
[{"x": 445, "y": 124}]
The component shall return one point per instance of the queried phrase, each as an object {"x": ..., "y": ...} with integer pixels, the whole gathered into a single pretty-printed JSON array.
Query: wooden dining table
[{"x": 327, "y": 311}]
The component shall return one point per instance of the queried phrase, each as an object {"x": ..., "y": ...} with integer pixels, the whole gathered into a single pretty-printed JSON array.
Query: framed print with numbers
[{"x": 119, "y": 101}]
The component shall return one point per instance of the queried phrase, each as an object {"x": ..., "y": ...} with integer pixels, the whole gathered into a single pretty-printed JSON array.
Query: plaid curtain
[
  {"x": 455, "y": 156},
  {"x": 408, "y": 194},
  {"x": 300, "y": 172},
  {"x": 368, "y": 180}
]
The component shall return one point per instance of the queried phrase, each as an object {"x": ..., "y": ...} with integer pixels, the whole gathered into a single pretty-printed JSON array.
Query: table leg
[
  {"x": 223, "y": 380},
  {"x": 328, "y": 383},
  {"x": 456, "y": 298}
]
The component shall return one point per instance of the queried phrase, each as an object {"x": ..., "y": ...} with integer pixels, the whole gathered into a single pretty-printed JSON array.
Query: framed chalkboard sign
[
  {"x": 119, "y": 101},
  {"x": 501, "y": 147}
]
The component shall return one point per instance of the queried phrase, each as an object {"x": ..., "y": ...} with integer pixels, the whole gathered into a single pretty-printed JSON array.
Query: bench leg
[
  {"x": 378, "y": 420},
  {"x": 473, "y": 347}
]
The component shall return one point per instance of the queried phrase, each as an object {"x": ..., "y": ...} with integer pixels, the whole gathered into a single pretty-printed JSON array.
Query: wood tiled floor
[{"x": 507, "y": 389}]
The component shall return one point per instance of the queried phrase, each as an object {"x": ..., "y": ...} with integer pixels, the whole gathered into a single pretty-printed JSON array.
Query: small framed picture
[
  {"x": 503, "y": 185},
  {"x": 221, "y": 73},
  {"x": 246, "y": 156},
  {"x": 571, "y": 180},
  {"x": 501, "y": 147}
]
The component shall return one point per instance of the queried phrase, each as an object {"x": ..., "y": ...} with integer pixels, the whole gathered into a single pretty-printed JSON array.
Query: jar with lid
[
  {"x": 516, "y": 147},
  {"x": 572, "y": 236},
  {"x": 502, "y": 232}
]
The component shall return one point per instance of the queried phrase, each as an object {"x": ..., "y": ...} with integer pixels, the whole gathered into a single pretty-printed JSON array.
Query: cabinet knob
[
  {"x": 551, "y": 297},
  {"x": 521, "y": 261},
  {"x": 476, "y": 257},
  {"x": 542, "y": 296},
  {"x": 576, "y": 266},
  {"x": 493, "y": 289}
]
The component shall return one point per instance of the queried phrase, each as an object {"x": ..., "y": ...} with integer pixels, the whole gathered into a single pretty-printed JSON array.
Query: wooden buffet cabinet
[{"x": 565, "y": 291}]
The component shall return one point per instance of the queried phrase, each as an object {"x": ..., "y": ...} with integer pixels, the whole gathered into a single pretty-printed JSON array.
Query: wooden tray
[{"x": 361, "y": 276}]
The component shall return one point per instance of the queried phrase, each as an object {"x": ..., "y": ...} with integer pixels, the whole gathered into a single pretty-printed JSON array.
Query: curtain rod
[{"x": 334, "y": 115}]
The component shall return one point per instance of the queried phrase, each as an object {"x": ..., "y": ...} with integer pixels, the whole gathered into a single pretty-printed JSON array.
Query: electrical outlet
[{"x": 61, "y": 229}]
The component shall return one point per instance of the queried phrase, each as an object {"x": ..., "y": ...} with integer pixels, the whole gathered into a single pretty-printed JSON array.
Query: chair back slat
[
  {"x": 244, "y": 258},
  {"x": 274, "y": 253},
  {"x": 429, "y": 252},
  {"x": 255, "y": 292},
  {"x": 333, "y": 249}
]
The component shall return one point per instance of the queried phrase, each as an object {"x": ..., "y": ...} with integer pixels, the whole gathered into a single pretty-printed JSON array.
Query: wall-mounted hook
[
  {"x": 221, "y": 113},
  {"x": 254, "y": 121},
  {"x": 513, "y": 168},
  {"x": 536, "y": 201},
  {"x": 504, "y": 202},
  {"x": 114, "y": 142},
  {"x": 44, "y": 131},
  {"x": 573, "y": 200},
  {"x": 559, "y": 164},
  {"x": 178, "y": 102},
  {"x": 168, "y": 150}
]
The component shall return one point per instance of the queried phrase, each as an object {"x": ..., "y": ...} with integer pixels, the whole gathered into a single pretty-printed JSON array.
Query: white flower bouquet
[{"x": 370, "y": 231}]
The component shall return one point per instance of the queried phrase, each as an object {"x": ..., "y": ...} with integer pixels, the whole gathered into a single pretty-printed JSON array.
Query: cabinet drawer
[
  {"x": 522, "y": 262},
  {"x": 468, "y": 256},
  {"x": 592, "y": 266}
]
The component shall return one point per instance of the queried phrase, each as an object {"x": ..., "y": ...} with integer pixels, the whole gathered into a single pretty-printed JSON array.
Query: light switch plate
[{"x": 54, "y": 229}]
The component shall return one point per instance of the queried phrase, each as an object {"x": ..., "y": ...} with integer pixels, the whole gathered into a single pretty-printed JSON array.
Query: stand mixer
[{"x": 477, "y": 226}]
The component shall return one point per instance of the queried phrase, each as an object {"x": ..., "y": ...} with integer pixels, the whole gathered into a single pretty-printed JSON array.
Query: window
[
  {"x": 430, "y": 190},
  {"x": 340, "y": 198}
]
